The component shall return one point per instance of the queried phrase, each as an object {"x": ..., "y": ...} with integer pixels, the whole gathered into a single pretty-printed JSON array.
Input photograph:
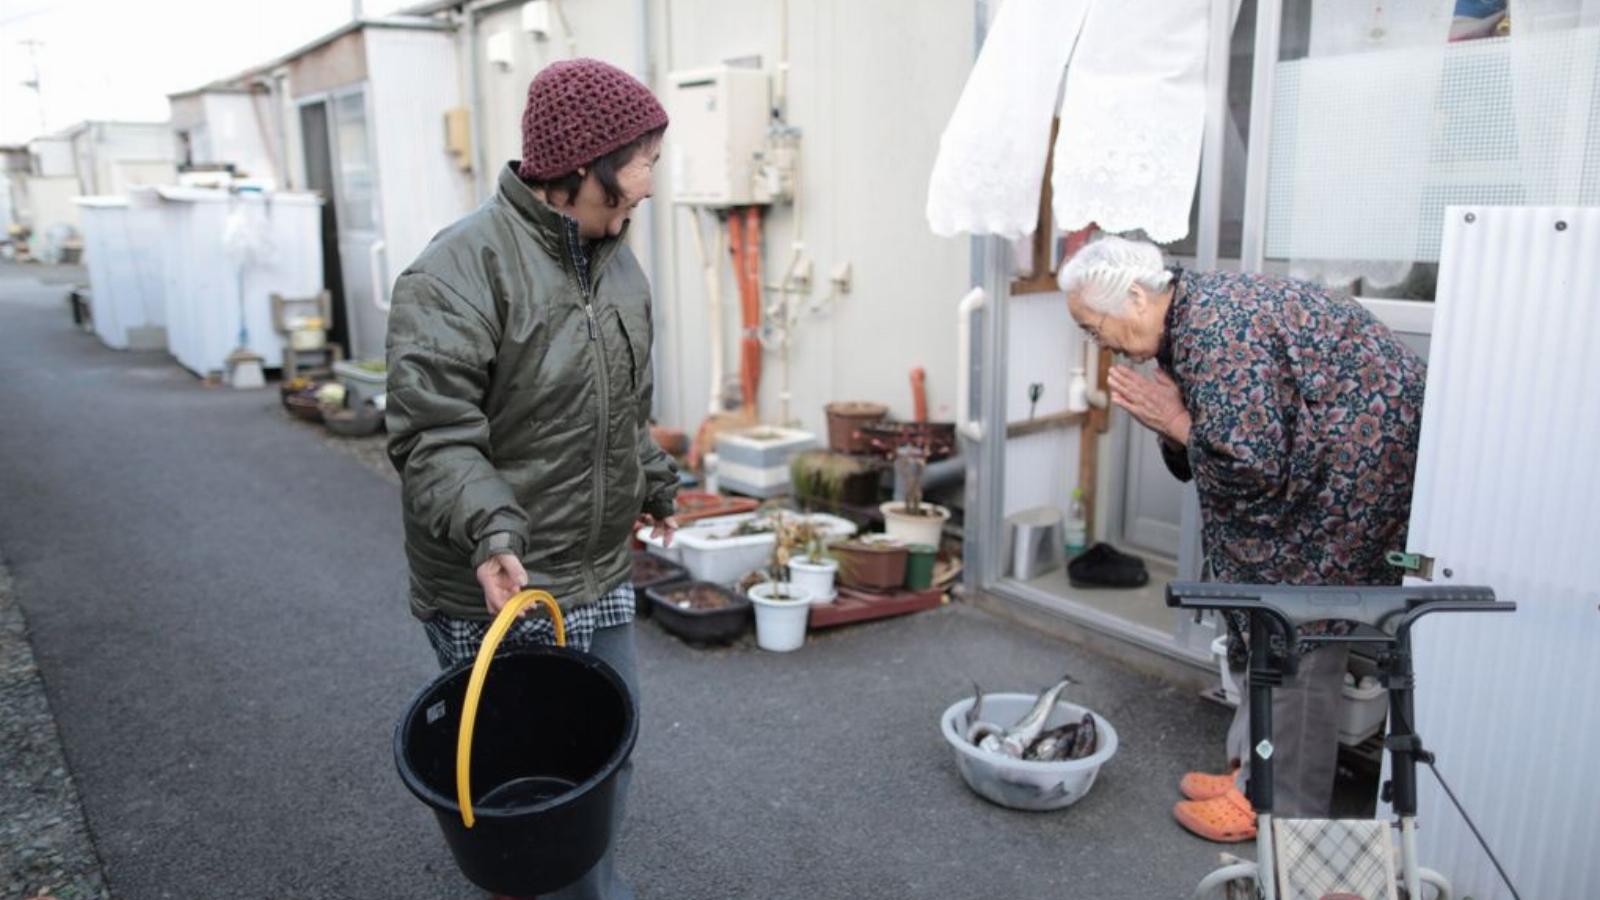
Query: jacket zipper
[{"x": 591, "y": 582}]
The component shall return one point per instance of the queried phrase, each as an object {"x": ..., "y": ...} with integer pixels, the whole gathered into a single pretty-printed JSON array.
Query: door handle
[{"x": 380, "y": 291}]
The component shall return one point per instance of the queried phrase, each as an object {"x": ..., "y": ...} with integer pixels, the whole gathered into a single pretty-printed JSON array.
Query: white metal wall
[
  {"x": 871, "y": 85},
  {"x": 1507, "y": 495},
  {"x": 413, "y": 81}
]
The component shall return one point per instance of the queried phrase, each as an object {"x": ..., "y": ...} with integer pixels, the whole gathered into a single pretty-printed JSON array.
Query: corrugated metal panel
[{"x": 1508, "y": 495}]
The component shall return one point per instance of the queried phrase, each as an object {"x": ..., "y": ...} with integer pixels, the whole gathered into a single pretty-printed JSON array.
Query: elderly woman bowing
[{"x": 1296, "y": 413}]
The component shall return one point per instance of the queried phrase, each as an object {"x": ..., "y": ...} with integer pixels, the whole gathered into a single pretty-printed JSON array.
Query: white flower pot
[
  {"x": 780, "y": 624},
  {"x": 909, "y": 529},
  {"x": 815, "y": 578}
]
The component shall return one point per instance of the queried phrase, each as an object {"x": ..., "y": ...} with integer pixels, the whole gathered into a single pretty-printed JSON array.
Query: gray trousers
[
  {"x": 1305, "y": 734},
  {"x": 615, "y": 646}
]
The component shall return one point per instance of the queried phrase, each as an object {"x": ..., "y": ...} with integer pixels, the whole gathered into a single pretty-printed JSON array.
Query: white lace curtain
[{"x": 1132, "y": 115}]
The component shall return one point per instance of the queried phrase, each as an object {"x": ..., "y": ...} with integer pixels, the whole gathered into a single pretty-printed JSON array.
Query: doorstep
[{"x": 1136, "y": 647}]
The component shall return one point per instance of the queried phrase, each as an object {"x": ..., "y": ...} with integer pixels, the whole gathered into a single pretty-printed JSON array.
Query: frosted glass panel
[{"x": 1368, "y": 148}]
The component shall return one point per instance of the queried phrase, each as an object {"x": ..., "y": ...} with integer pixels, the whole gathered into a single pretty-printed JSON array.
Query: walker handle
[{"x": 480, "y": 670}]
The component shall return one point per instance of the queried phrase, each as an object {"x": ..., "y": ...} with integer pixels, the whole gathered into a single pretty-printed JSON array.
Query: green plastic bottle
[{"x": 1077, "y": 525}]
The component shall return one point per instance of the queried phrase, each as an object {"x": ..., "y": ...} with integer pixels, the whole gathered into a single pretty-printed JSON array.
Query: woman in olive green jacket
[{"x": 520, "y": 383}]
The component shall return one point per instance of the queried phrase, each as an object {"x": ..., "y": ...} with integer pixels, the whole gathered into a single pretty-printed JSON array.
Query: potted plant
[
  {"x": 845, "y": 420},
  {"x": 820, "y": 477},
  {"x": 698, "y": 612},
  {"x": 912, "y": 521},
  {"x": 782, "y": 610},
  {"x": 782, "y": 607},
  {"x": 810, "y": 567},
  {"x": 878, "y": 565}
]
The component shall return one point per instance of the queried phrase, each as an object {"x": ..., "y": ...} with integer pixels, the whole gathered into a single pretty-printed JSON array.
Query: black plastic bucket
[{"x": 553, "y": 727}]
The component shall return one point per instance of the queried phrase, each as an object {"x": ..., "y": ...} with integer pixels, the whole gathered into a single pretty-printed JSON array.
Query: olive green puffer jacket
[{"x": 518, "y": 403}]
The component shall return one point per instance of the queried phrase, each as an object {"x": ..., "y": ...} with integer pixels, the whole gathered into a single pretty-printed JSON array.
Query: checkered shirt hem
[{"x": 455, "y": 639}]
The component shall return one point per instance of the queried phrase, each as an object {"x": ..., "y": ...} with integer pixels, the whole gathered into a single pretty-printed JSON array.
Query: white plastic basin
[
  {"x": 1023, "y": 784},
  {"x": 711, "y": 552}
]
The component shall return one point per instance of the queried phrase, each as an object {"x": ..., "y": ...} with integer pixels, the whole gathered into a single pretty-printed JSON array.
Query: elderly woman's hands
[{"x": 1154, "y": 401}]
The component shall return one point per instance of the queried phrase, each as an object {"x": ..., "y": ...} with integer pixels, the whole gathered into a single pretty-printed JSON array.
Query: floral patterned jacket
[{"x": 1305, "y": 412}]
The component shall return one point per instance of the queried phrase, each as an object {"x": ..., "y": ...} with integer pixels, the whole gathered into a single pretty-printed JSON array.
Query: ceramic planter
[
  {"x": 871, "y": 566},
  {"x": 906, "y": 528},
  {"x": 845, "y": 421}
]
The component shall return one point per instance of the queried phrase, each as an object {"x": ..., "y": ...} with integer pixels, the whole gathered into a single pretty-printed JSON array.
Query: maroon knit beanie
[{"x": 578, "y": 111}]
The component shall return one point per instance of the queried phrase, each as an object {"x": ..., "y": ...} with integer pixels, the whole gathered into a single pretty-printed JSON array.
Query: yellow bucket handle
[{"x": 480, "y": 671}]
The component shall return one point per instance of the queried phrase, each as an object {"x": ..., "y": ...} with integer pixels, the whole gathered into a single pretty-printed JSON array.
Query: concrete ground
[{"x": 214, "y": 602}]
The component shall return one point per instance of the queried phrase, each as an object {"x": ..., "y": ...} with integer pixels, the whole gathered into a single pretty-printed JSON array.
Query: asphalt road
[{"x": 215, "y": 602}]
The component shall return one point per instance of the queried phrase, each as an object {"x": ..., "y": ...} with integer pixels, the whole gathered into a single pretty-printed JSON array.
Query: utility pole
[{"x": 34, "y": 84}]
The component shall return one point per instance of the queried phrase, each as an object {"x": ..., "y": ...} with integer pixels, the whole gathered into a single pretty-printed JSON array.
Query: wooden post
[
  {"x": 1096, "y": 424},
  {"x": 1043, "y": 280}
]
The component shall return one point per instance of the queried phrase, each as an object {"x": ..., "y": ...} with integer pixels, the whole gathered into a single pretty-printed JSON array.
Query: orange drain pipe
[{"x": 744, "y": 239}]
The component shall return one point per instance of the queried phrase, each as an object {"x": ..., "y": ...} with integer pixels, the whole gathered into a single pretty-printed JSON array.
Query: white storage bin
[
  {"x": 712, "y": 552},
  {"x": 1230, "y": 688},
  {"x": 1364, "y": 710}
]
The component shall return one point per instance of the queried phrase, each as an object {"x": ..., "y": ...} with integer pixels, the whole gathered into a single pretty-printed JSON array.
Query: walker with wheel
[{"x": 1333, "y": 858}]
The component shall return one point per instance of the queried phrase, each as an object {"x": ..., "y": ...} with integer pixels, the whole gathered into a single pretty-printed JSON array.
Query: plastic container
[
  {"x": 755, "y": 461},
  {"x": 700, "y": 626},
  {"x": 871, "y": 565},
  {"x": 1077, "y": 539},
  {"x": 1230, "y": 688},
  {"x": 815, "y": 578},
  {"x": 652, "y": 571},
  {"x": 920, "y": 560},
  {"x": 554, "y": 727},
  {"x": 1022, "y": 784},
  {"x": 780, "y": 623},
  {"x": 1363, "y": 710},
  {"x": 711, "y": 551},
  {"x": 845, "y": 420},
  {"x": 692, "y": 506},
  {"x": 358, "y": 422},
  {"x": 924, "y": 529},
  {"x": 937, "y": 440},
  {"x": 361, "y": 382}
]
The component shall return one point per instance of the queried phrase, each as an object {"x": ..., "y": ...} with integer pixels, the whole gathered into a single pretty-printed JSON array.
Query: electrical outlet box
[
  {"x": 719, "y": 134},
  {"x": 500, "y": 51},
  {"x": 536, "y": 18},
  {"x": 458, "y": 136}
]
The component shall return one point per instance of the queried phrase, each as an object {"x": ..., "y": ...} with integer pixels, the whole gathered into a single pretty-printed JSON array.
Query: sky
[{"x": 118, "y": 59}]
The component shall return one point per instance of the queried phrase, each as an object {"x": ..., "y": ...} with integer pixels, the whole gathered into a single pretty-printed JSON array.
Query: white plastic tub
[
  {"x": 1230, "y": 688},
  {"x": 1022, "y": 784},
  {"x": 1363, "y": 710},
  {"x": 711, "y": 552},
  {"x": 815, "y": 578}
]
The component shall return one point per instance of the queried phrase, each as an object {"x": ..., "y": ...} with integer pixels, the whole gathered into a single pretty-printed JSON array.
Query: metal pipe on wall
[
  {"x": 647, "y": 74},
  {"x": 475, "y": 105},
  {"x": 1269, "y": 23}
]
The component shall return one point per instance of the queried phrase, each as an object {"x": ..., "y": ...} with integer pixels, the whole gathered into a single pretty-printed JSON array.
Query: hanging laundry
[
  {"x": 1132, "y": 119},
  {"x": 990, "y": 166}
]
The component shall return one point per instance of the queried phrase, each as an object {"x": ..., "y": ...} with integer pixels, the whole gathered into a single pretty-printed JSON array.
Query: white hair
[{"x": 1104, "y": 271}]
